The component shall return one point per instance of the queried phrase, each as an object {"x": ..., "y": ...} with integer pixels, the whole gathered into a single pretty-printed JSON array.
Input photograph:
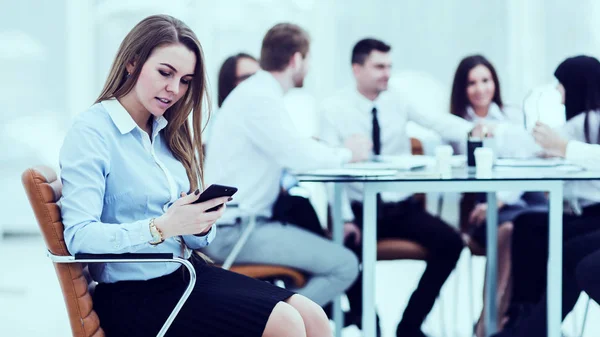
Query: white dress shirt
[
  {"x": 584, "y": 192},
  {"x": 349, "y": 112},
  {"x": 578, "y": 152},
  {"x": 253, "y": 140}
]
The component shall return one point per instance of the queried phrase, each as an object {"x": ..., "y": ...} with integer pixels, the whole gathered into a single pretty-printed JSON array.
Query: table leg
[
  {"x": 338, "y": 237},
  {"x": 491, "y": 312},
  {"x": 555, "y": 260},
  {"x": 369, "y": 259}
]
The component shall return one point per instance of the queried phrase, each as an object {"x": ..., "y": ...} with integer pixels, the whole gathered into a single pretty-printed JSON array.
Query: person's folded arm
[{"x": 85, "y": 164}]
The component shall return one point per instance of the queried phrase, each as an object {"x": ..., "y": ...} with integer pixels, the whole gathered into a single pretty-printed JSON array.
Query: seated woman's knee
[
  {"x": 285, "y": 320},
  {"x": 315, "y": 319}
]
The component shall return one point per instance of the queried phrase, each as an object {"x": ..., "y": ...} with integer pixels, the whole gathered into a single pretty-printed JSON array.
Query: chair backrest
[{"x": 44, "y": 190}]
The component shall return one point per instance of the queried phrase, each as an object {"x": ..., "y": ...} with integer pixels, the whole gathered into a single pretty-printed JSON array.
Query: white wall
[{"x": 55, "y": 54}]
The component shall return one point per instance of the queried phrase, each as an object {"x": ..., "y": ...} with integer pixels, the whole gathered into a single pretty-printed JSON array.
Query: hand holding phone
[{"x": 213, "y": 192}]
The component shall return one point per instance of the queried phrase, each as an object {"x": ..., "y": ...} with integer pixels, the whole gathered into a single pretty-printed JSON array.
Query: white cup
[
  {"x": 484, "y": 161},
  {"x": 443, "y": 159}
]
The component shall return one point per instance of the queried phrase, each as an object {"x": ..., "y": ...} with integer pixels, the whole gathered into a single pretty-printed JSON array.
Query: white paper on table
[
  {"x": 531, "y": 162},
  {"x": 401, "y": 163},
  {"x": 406, "y": 162},
  {"x": 349, "y": 172}
]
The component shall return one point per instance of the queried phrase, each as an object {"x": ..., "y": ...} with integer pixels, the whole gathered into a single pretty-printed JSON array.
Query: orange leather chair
[
  {"x": 272, "y": 273},
  {"x": 44, "y": 191}
]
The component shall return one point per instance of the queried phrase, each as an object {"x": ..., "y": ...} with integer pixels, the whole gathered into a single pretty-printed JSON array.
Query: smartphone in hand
[{"x": 213, "y": 192}]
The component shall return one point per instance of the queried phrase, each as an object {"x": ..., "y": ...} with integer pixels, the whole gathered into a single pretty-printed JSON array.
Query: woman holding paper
[
  {"x": 476, "y": 97},
  {"x": 577, "y": 141}
]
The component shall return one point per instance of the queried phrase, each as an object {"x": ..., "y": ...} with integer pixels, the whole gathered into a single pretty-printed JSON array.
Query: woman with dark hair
[
  {"x": 577, "y": 141},
  {"x": 475, "y": 87},
  {"x": 476, "y": 97},
  {"x": 580, "y": 75},
  {"x": 234, "y": 70}
]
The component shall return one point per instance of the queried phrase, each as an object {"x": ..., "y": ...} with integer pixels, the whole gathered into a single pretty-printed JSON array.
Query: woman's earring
[{"x": 128, "y": 74}]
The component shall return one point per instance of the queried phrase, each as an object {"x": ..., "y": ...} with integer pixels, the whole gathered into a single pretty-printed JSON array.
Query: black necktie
[
  {"x": 376, "y": 133},
  {"x": 377, "y": 150}
]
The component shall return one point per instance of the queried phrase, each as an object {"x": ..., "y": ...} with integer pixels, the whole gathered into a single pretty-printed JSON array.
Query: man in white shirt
[
  {"x": 253, "y": 140},
  {"x": 367, "y": 108}
]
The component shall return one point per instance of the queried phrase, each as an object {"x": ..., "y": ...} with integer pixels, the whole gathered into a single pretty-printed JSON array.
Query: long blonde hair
[{"x": 152, "y": 32}]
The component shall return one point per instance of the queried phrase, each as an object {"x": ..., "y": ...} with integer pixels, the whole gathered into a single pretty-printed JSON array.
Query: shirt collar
[
  {"x": 363, "y": 103},
  {"x": 269, "y": 82},
  {"x": 494, "y": 113},
  {"x": 123, "y": 120}
]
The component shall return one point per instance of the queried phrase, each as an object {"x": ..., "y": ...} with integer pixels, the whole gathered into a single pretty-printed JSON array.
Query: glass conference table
[{"x": 544, "y": 178}]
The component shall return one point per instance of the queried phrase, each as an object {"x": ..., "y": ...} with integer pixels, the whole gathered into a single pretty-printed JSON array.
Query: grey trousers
[{"x": 331, "y": 268}]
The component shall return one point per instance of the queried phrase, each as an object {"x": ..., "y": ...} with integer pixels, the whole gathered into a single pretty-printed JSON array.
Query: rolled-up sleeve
[{"x": 85, "y": 164}]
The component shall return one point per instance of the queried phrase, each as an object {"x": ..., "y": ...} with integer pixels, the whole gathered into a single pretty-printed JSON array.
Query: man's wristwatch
[{"x": 157, "y": 235}]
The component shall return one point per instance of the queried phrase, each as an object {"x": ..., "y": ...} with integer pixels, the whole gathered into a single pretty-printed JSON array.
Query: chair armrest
[
  {"x": 116, "y": 258},
  {"x": 137, "y": 258},
  {"x": 129, "y": 256}
]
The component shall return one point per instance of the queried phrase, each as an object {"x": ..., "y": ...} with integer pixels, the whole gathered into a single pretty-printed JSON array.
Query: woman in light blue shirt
[{"x": 127, "y": 166}]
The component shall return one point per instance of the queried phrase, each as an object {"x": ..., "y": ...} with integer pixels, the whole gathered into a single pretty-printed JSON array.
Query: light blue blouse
[{"x": 114, "y": 181}]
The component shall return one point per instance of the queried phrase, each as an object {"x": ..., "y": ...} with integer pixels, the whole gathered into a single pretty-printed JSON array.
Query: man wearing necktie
[{"x": 366, "y": 108}]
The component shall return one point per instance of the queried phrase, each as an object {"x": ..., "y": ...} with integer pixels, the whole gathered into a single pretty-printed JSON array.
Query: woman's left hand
[{"x": 549, "y": 140}]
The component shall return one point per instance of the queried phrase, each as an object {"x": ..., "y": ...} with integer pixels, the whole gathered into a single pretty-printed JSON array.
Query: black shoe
[{"x": 402, "y": 331}]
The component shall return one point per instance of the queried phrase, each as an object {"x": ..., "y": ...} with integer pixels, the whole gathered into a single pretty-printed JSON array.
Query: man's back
[
  {"x": 254, "y": 139},
  {"x": 233, "y": 156}
]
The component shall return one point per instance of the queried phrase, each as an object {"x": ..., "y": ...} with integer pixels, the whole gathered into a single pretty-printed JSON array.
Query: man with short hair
[
  {"x": 367, "y": 108},
  {"x": 253, "y": 141}
]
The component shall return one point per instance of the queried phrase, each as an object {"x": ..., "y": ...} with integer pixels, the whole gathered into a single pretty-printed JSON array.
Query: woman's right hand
[{"x": 186, "y": 218}]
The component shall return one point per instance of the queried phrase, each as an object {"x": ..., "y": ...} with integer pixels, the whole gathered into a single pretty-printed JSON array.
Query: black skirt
[{"x": 222, "y": 304}]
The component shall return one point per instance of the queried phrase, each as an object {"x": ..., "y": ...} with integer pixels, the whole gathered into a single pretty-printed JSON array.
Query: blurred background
[{"x": 56, "y": 55}]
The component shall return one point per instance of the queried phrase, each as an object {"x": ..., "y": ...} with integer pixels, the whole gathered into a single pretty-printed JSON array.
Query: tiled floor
[{"x": 31, "y": 303}]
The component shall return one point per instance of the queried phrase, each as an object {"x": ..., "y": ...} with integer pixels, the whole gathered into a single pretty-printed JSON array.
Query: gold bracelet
[{"x": 157, "y": 235}]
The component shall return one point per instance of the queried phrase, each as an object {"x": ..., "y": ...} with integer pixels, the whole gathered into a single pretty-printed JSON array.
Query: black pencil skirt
[{"x": 222, "y": 304}]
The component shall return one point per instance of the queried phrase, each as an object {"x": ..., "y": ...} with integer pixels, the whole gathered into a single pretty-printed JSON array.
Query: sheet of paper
[
  {"x": 349, "y": 172},
  {"x": 531, "y": 162},
  {"x": 403, "y": 163}
]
